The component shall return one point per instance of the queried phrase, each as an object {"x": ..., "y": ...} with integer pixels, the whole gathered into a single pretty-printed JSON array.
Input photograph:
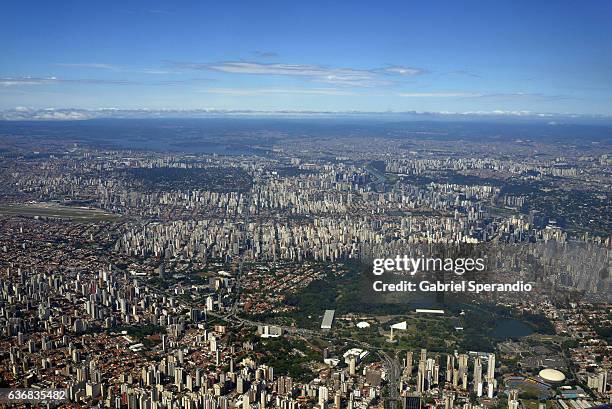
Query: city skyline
[
  {"x": 306, "y": 205},
  {"x": 473, "y": 57}
]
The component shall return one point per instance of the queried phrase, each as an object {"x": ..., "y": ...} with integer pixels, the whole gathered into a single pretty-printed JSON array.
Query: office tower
[
  {"x": 411, "y": 402},
  {"x": 436, "y": 373},
  {"x": 450, "y": 365},
  {"x": 491, "y": 382},
  {"x": 478, "y": 376},
  {"x": 491, "y": 367},
  {"x": 463, "y": 367},
  {"x": 352, "y": 365},
  {"x": 409, "y": 363},
  {"x": 422, "y": 373}
]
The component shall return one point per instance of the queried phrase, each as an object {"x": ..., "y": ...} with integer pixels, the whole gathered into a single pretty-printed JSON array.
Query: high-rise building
[
  {"x": 323, "y": 396},
  {"x": 491, "y": 382},
  {"x": 338, "y": 400},
  {"x": 352, "y": 365},
  {"x": 421, "y": 377},
  {"x": 411, "y": 402},
  {"x": 491, "y": 367},
  {"x": 409, "y": 363},
  {"x": 463, "y": 367},
  {"x": 450, "y": 365},
  {"x": 478, "y": 376}
]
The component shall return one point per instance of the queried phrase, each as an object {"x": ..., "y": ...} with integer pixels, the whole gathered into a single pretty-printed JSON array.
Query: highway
[{"x": 393, "y": 370}]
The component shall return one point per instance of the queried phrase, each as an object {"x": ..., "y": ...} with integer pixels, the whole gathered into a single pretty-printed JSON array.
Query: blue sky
[{"x": 451, "y": 56}]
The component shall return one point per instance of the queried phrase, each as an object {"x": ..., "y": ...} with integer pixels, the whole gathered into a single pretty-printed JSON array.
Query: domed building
[{"x": 551, "y": 375}]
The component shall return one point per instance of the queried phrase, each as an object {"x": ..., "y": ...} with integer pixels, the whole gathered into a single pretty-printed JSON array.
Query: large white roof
[{"x": 552, "y": 375}]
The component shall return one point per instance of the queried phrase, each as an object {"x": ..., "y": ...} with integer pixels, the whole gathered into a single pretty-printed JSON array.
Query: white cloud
[
  {"x": 490, "y": 95},
  {"x": 400, "y": 70},
  {"x": 99, "y": 66},
  {"x": 155, "y": 71},
  {"x": 26, "y": 113},
  {"x": 330, "y": 75},
  {"x": 16, "y": 81},
  {"x": 285, "y": 69},
  {"x": 260, "y": 91},
  {"x": 440, "y": 94},
  {"x": 62, "y": 116},
  {"x": 111, "y": 67},
  {"x": 27, "y": 81},
  {"x": 353, "y": 82}
]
